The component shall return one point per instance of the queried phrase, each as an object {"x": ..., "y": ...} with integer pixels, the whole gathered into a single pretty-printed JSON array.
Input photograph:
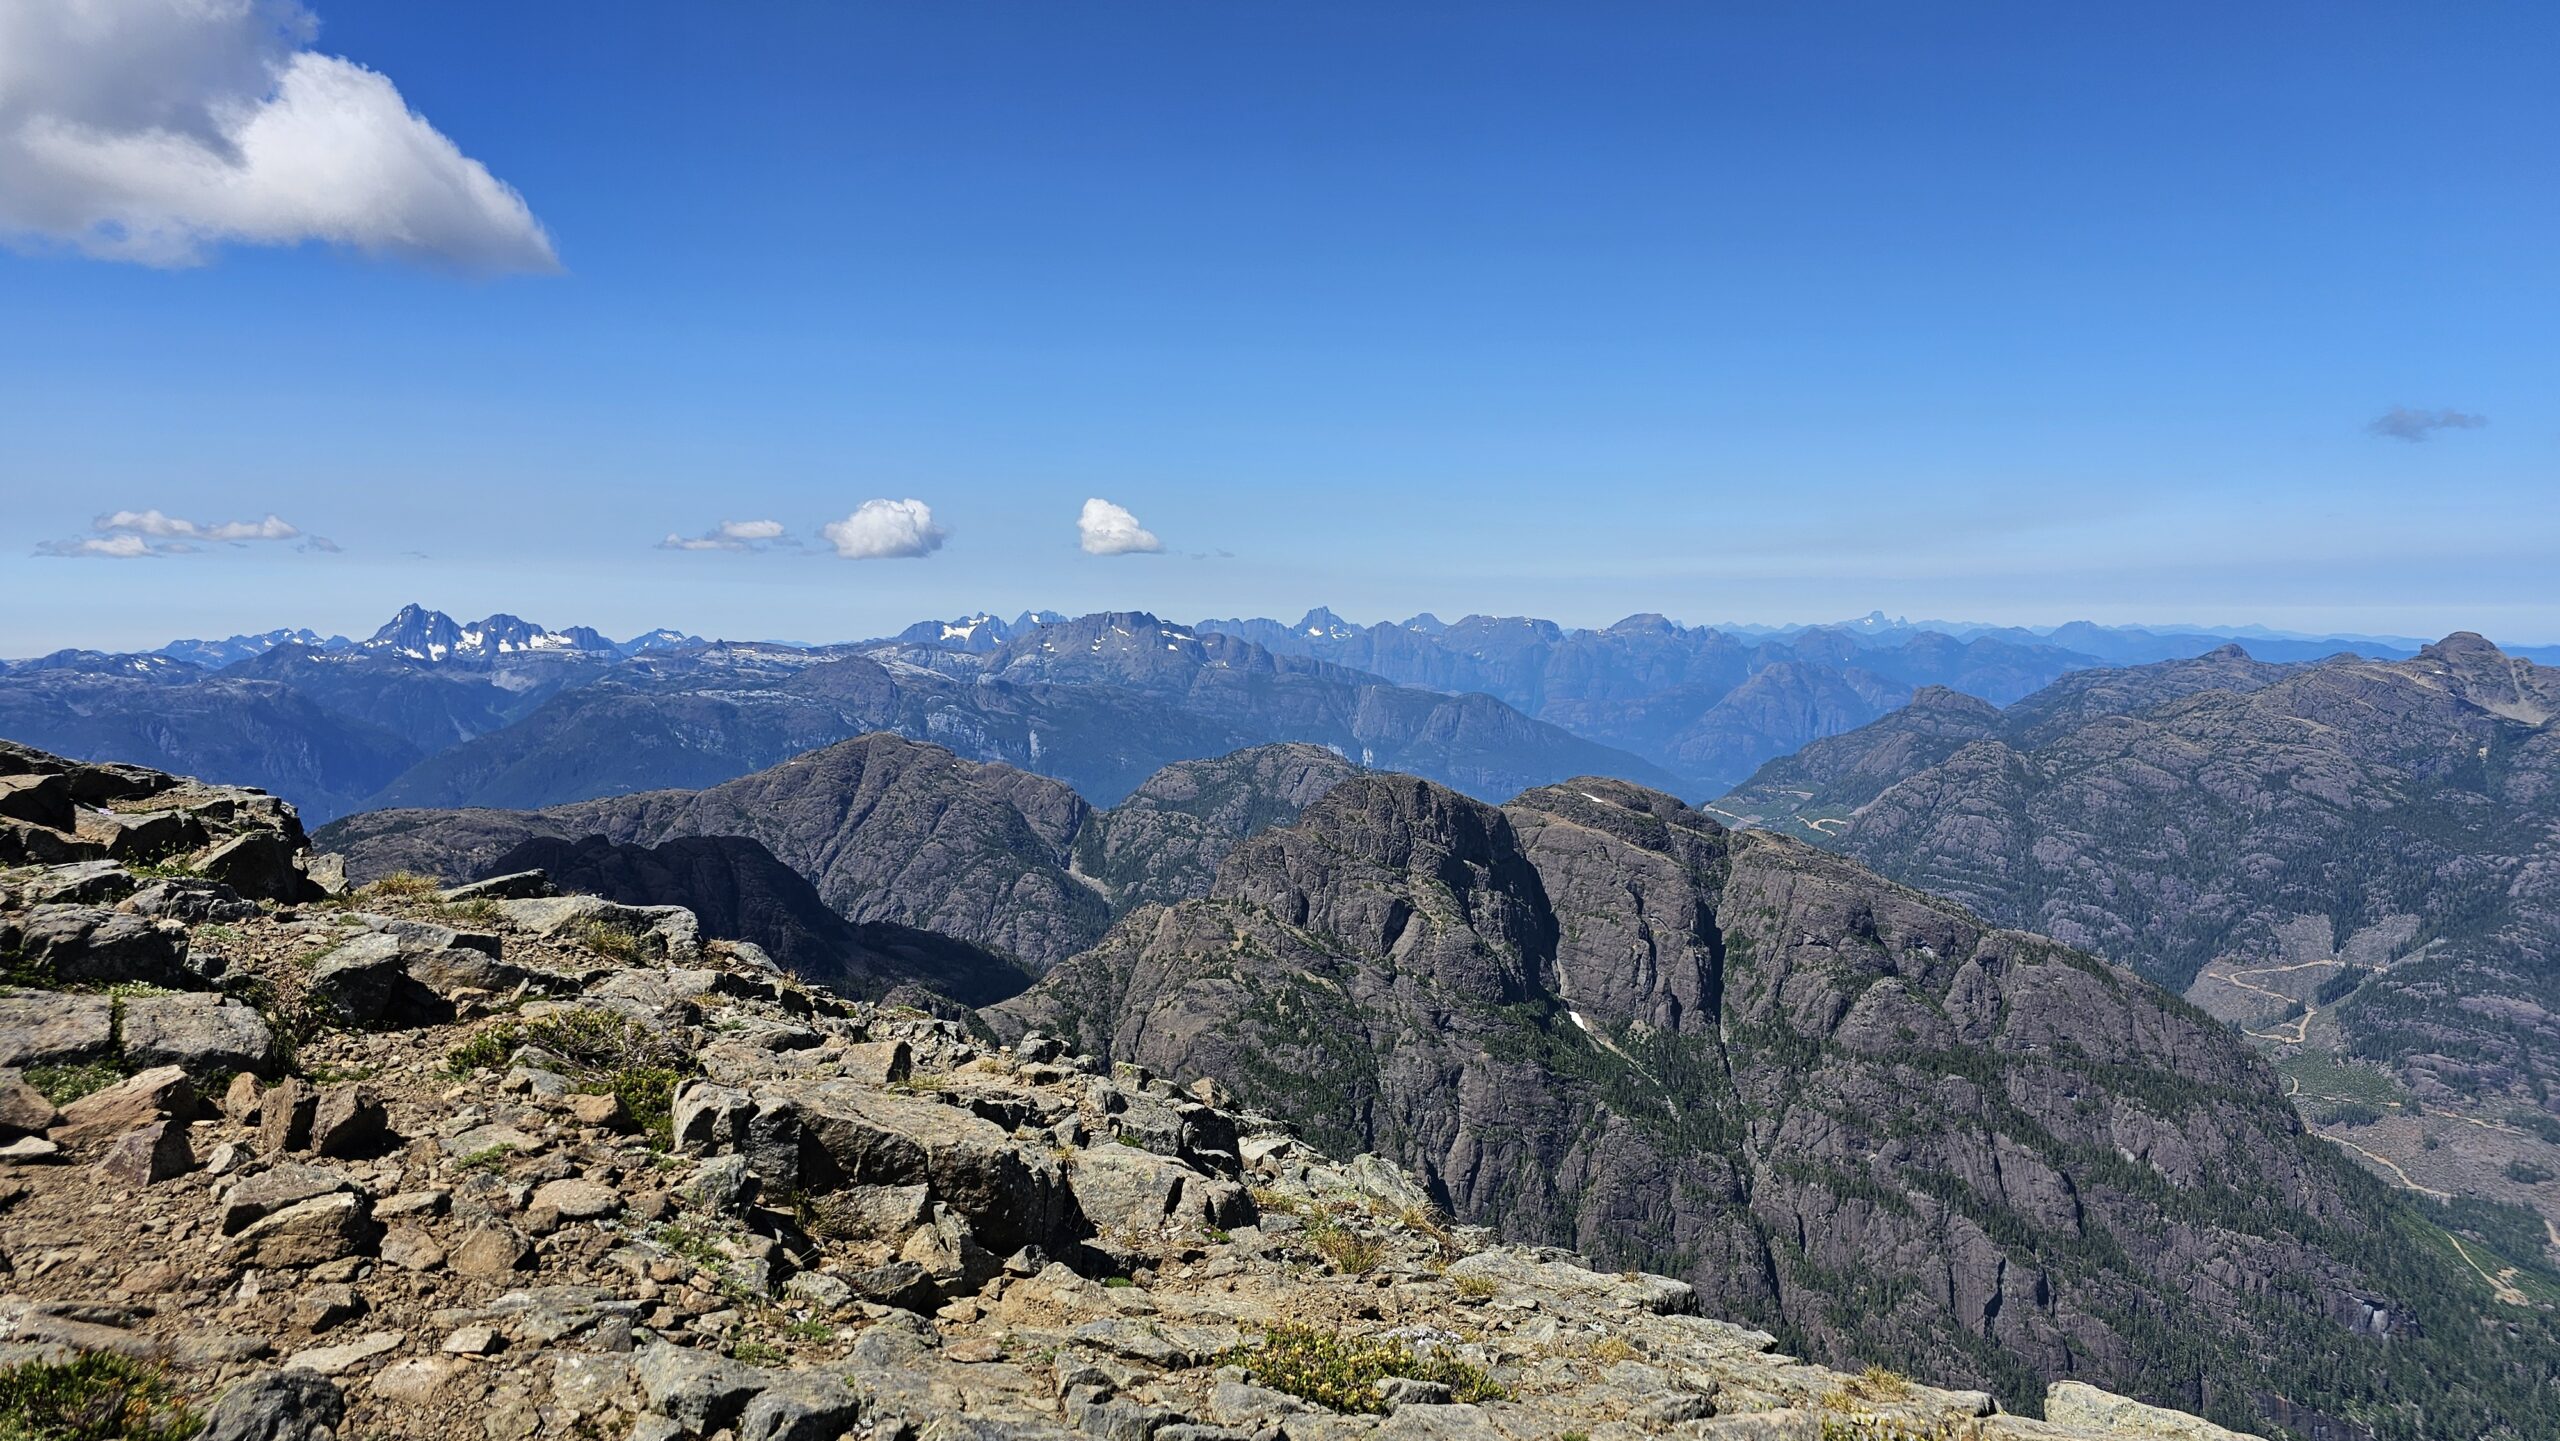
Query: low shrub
[
  {"x": 98, "y": 1397},
  {"x": 1343, "y": 1372},
  {"x": 63, "y": 1085}
]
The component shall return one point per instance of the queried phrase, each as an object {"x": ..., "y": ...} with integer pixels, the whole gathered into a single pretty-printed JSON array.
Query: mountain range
[
  {"x": 2355, "y": 862},
  {"x": 1595, "y": 1018},
  {"x": 506, "y": 712}
]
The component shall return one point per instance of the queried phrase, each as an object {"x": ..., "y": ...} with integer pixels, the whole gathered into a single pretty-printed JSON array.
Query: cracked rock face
[{"x": 1840, "y": 1109}]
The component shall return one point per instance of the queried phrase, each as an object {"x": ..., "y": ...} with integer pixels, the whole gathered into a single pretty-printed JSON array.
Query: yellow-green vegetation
[
  {"x": 611, "y": 942},
  {"x": 1343, "y": 1372},
  {"x": 1346, "y": 1250},
  {"x": 1433, "y": 1227},
  {"x": 758, "y": 1353},
  {"x": 492, "y": 1159},
  {"x": 98, "y": 1397},
  {"x": 63, "y": 1085},
  {"x": 603, "y": 1052},
  {"x": 402, "y": 886},
  {"x": 1613, "y": 1349},
  {"x": 1475, "y": 1288},
  {"x": 163, "y": 870}
]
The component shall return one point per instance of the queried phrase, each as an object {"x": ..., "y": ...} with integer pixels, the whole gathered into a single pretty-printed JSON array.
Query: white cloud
[
  {"x": 886, "y": 530},
  {"x": 147, "y": 130},
  {"x": 731, "y": 535},
  {"x": 129, "y": 534},
  {"x": 113, "y": 547},
  {"x": 1107, "y": 529},
  {"x": 2402, "y": 423}
]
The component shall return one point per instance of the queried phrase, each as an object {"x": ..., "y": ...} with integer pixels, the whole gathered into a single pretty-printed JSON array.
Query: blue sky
[{"x": 2018, "y": 312}]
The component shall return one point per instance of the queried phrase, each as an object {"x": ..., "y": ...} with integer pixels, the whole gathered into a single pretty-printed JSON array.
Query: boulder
[
  {"x": 190, "y": 898},
  {"x": 340, "y": 1359},
  {"x": 145, "y": 836},
  {"x": 86, "y": 945},
  {"x": 903, "y": 1284},
  {"x": 83, "y": 883},
  {"x": 277, "y": 1406},
  {"x": 514, "y": 886},
  {"x": 262, "y": 865},
  {"x": 366, "y": 981},
  {"x": 349, "y": 1120},
  {"x": 49, "y": 1028},
  {"x": 287, "y": 1183},
  {"x": 162, "y": 1093},
  {"x": 491, "y": 1250},
  {"x": 577, "y": 1199},
  {"x": 422, "y": 936},
  {"x": 1122, "y": 1188},
  {"x": 22, "y": 1107},
  {"x": 308, "y": 1233},
  {"x": 698, "y": 1390},
  {"x": 39, "y": 800},
  {"x": 26, "y": 844},
  {"x": 802, "y": 1406},
  {"x": 853, "y": 1136},
  {"x": 149, "y": 1154},
  {"x": 284, "y": 1117},
  {"x": 204, "y": 1034}
]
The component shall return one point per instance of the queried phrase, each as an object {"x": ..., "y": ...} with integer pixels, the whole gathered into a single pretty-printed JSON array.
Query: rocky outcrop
[
  {"x": 1844, "y": 1110},
  {"x": 1164, "y": 843},
  {"x": 617, "y": 1180}
]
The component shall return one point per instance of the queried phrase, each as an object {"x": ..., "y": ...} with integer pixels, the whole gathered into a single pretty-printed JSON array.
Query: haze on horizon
[{"x": 817, "y": 321}]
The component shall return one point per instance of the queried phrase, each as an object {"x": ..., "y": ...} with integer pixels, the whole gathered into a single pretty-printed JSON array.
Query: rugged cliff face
[
  {"x": 1164, "y": 843},
  {"x": 1845, "y": 1109},
  {"x": 2354, "y": 861}
]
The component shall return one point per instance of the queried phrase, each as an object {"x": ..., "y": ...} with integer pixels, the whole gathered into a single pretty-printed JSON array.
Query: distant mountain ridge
[{"x": 512, "y": 712}]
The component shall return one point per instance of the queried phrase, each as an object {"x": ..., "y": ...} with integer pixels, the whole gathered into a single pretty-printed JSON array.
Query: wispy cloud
[
  {"x": 134, "y": 534},
  {"x": 149, "y": 130},
  {"x": 1106, "y": 529},
  {"x": 732, "y": 535},
  {"x": 886, "y": 530},
  {"x": 2402, "y": 423}
]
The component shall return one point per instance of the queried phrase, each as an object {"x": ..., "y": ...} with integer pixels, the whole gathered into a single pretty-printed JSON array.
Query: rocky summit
[{"x": 287, "y": 1161}]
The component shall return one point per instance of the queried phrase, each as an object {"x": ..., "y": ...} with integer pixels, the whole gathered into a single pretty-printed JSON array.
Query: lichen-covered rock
[{"x": 201, "y": 1034}]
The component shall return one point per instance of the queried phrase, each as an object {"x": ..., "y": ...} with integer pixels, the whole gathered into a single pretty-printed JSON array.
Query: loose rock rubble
[{"x": 504, "y": 1164}]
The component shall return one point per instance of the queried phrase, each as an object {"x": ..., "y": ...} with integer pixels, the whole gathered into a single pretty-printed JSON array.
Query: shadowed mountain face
[
  {"x": 1844, "y": 1109},
  {"x": 891, "y": 832},
  {"x": 739, "y": 891},
  {"x": 245, "y": 732}
]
